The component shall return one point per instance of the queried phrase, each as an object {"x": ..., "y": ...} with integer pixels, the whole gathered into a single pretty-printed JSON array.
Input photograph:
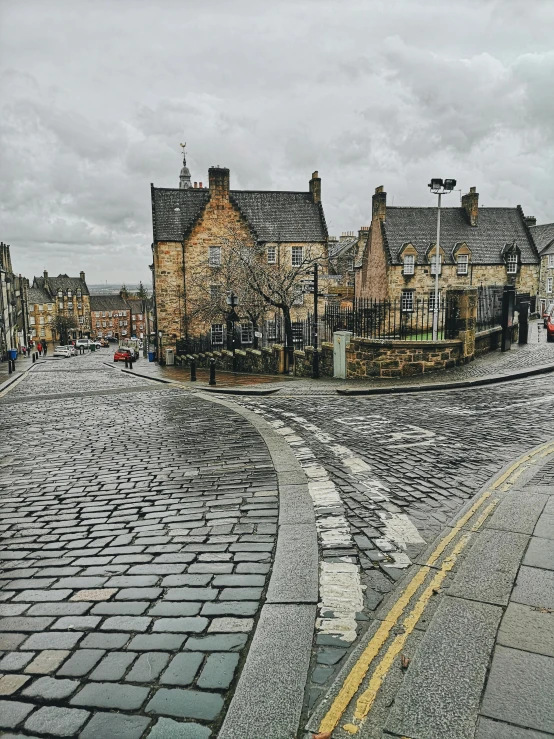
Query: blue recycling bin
[
  {"x": 151, "y": 356},
  {"x": 12, "y": 353}
]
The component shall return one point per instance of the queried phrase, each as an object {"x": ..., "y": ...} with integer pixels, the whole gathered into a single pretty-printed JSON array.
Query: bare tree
[{"x": 62, "y": 325}]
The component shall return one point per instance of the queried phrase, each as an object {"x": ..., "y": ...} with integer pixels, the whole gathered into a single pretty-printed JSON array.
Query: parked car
[
  {"x": 83, "y": 343},
  {"x": 550, "y": 326},
  {"x": 62, "y": 351},
  {"x": 72, "y": 350},
  {"x": 547, "y": 312},
  {"x": 122, "y": 354}
]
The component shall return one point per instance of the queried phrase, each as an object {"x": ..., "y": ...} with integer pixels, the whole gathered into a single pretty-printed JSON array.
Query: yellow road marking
[
  {"x": 358, "y": 672},
  {"x": 366, "y": 700}
]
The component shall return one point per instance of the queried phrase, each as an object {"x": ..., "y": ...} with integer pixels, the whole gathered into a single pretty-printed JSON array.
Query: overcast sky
[{"x": 97, "y": 95}]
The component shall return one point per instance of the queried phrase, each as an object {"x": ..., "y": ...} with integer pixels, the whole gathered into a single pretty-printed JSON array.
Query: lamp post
[
  {"x": 232, "y": 302},
  {"x": 438, "y": 187},
  {"x": 315, "y": 368}
]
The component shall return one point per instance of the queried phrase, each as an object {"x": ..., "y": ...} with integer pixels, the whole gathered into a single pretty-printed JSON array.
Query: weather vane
[{"x": 183, "y": 146}]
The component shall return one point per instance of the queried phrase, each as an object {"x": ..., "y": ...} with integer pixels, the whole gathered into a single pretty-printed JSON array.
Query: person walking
[
  {"x": 45, "y": 348},
  {"x": 39, "y": 349}
]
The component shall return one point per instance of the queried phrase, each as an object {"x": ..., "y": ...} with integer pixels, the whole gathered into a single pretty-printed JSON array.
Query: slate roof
[
  {"x": 38, "y": 296},
  {"x": 495, "y": 228},
  {"x": 61, "y": 281},
  {"x": 273, "y": 216},
  {"x": 543, "y": 237},
  {"x": 107, "y": 302},
  {"x": 135, "y": 304},
  {"x": 339, "y": 248}
]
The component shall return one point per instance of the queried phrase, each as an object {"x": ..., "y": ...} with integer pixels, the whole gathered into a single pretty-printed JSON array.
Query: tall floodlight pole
[{"x": 439, "y": 187}]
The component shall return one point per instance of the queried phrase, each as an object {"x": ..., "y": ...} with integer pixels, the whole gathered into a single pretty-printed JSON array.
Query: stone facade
[
  {"x": 14, "y": 325},
  {"x": 217, "y": 218},
  {"x": 111, "y": 317},
  {"x": 544, "y": 239},
  {"x": 68, "y": 296},
  {"x": 267, "y": 361}
]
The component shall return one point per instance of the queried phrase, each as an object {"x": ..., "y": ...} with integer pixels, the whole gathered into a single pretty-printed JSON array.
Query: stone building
[
  {"x": 544, "y": 241},
  {"x": 478, "y": 246},
  {"x": 110, "y": 316},
  {"x": 69, "y": 297},
  {"x": 139, "y": 317},
  {"x": 194, "y": 229},
  {"x": 41, "y": 309},
  {"x": 342, "y": 260},
  {"x": 13, "y": 305}
]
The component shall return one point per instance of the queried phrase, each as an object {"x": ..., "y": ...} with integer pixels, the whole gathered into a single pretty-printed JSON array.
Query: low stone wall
[
  {"x": 491, "y": 339},
  {"x": 304, "y": 361},
  {"x": 251, "y": 361},
  {"x": 378, "y": 358}
]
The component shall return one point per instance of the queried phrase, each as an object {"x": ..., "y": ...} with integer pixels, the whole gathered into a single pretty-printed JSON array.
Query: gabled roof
[
  {"x": 273, "y": 216},
  {"x": 107, "y": 302},
  {"x": 495, "y": 228},
  {"x": 340, "y": 248},
  {"x": 63, "y": 282},
  {"x": 543, "y": 237},
  {"x": 135, "y": 304},
  {"x": 37, "y": 296}
]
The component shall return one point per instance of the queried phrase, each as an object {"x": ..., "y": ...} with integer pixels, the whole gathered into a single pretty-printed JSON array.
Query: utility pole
[{"x": 315, "y": 368}]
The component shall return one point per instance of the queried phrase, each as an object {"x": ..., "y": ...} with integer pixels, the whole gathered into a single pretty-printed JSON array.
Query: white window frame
[
  {"x": 215, "y": 292},
  {"x": 407, "y": 301},
  {"x": 432, "y": 261},
  {"x": 217, "y": 333},
  {"x": 549, "y": 285},
  {"x": 271, "y": 329},
  {"x": 511, "y": 264},
  {"x": 246, "y": 332},
  {"x": 409, "y": 264},
  {"x": 463, "y": 264},
  {"x": 214, "y": 257},
  {"x": 272, "y": 255},
  {"x": 297, "y": 256},
  {"x": 31, "y": 320},
  {"x": 431, "y": 301},
  {"x": 550, "y": 261}
]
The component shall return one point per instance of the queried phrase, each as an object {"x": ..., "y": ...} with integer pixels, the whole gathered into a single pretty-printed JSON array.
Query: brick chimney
[
  {"x": 315, "y": 187},
  {"x": 82, "y": 276},
  {"x": 379, "y": 204},
  {"x": 470, "y": 203},
  {"x": 530, "y": 220},
  {"x": 219, "y": 182}
]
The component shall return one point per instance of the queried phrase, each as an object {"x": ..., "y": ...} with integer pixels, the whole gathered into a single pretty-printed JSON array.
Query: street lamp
[
  {"x": 232, "y": 316},
  {"x": 438, "y": 187}
]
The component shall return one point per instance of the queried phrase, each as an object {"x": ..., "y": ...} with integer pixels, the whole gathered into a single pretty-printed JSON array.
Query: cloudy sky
[{"x": 96, "y": 96}]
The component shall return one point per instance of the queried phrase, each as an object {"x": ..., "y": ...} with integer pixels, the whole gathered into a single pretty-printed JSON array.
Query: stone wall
[
  {"x": 379, "y": 358},
  {"x": 251, "y": 361}
]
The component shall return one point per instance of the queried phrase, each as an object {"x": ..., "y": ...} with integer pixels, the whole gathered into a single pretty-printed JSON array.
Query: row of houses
[
  {"x": 13, "y": 305},
  {"x": 391, "y": 259}
]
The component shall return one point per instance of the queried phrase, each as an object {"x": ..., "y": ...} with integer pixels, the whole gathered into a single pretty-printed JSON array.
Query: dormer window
[
  {"x": 511, "y": 263},
  {"x": 60, "y": 294},
  {"x": 463, "y": 264},
  {"x": 69, "y": 293},
  {"x": 409, "y": 264},
  {"x": 433, "y": 262},
  {"x": 79, "y": 293}
]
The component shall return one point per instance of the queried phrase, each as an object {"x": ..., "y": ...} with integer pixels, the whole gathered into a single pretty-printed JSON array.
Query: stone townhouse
[
  {"x": 139, "y": 317},
  {"x": 13, "y": 305},
  {"x": 478, "y": 246},
  {"x": 193, "y": 228},
  {"x": 544, "y": 241},
  {"x": 342, "y": 260},
  {"x": 69, "y": 297},
  {"x": 41, "y": 309},
  {"x": 110, "y": 316}
]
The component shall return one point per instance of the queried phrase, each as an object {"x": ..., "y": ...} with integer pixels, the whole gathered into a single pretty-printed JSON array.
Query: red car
[
  {"x": 550, "y": 326},
  {"x": 122, "y": 354}
]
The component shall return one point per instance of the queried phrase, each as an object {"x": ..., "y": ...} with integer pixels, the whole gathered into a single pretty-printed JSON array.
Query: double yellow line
[{"x": 359, "y": 671}]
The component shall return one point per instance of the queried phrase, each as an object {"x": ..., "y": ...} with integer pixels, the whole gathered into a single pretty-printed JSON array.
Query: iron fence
[{"x": 489, "y": 307}]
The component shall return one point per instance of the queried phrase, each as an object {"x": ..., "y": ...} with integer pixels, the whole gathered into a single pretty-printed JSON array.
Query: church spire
[{"x": 184, "y": 177}]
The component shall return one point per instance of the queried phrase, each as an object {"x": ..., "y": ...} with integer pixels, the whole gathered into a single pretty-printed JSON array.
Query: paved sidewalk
[
  {"x": 537, "y": 353},
  {"x": 471, "y": 649}
]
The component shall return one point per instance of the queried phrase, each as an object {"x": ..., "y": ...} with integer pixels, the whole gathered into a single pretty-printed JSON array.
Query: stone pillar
[{"x": 466, "y": 319}]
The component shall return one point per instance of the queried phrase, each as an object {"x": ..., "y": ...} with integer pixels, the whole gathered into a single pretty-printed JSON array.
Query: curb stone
[
  {"x": 269, "y": 695},
  {"x": 7, "y": 383}
]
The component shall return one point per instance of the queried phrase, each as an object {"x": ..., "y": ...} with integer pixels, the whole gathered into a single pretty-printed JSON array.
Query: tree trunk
[{"x": 289, "y": 339}]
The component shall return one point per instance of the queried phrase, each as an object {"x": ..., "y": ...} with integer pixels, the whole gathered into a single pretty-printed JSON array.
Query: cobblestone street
[{"x": 138, "y": 524}]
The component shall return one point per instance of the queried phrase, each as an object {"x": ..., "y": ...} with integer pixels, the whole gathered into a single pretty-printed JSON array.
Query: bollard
[
  {"x": 33, "y": 355},
  {"x": 9, "y": 366},
  {"x": 193, "y": 370},
  {"x": 212, "y": 371}
]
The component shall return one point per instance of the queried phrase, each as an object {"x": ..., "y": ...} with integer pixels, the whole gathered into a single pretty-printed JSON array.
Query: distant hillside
[{"x": 107, "y": 289}]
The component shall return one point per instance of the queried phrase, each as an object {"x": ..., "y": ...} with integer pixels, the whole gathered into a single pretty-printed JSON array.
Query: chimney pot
[
  {"x": 195, "y": 185},
  {"x": 315, "y": 187},
  {"x": 470, "y": 203},
  {"x": 45, "y": 273},
  {"x": 530, "y": 220},
  {"x": 379, "y": 204},
  {"x": 200, "y": 184}
]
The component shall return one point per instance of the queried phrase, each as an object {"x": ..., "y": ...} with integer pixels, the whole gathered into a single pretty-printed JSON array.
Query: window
[
  {"x": 511, "y": 264},
  {"x": 41, "y": 320},
  {"x": 409, "y": 264},
  {"x": 81, "y": 319},
  {"x": 110, "y": 314},
  {"x": 103, "y": 324},
  {"x": 42, "y": 332},
  {"x": 60, "y": 294},
  {"x": 246, "y": 333},
  {"x": 215, "y": 292},
  {"x": 70, "y": 306},
  {"x": 217, "y": 331},
  {"x": 549, "y": 282},
  {"x": 50, "y": 306},
  {"x": 297, "y": 256},
  {"x": 407, "y": 300},
  {"x": 31, "y": 320},
  {"x": 69, "y": 293},
  {"x": 79, "y": 293},
  {"x": 80, "y": 306},
  {"x": 214, "y": 257},
  {"x": 97, "y": 324},
  {"x": 463, "y": 262},
  {"x": 551, "y": 261},
  {"x": 60, "y": 306},
  {"x": 272, "y": 255},
  {"x": 40, "y": 307},
  {"x": 432, "y": 261},
  {"x": 271, "y": 328},
  {"x": 432, "y": 301}
]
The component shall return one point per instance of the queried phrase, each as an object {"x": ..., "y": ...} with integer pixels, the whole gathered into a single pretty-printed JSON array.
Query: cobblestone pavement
[
  {"x": 386, "y": 475},
  {"x": 138, "y": 526}
]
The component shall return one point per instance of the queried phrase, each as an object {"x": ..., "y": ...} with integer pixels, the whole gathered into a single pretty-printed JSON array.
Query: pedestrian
[
  {"x": 24, "y": 351},
  {"x": 39, "y": 349},
  {"x": 45, "y": 348}
]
